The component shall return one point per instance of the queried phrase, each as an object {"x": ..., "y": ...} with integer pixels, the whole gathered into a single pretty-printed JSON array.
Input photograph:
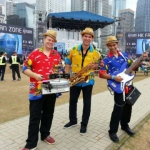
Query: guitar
[{"x": 118, "y": 87}]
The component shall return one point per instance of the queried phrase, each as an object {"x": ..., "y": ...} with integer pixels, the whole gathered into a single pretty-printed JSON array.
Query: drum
[{"x": 58, "y": 85}]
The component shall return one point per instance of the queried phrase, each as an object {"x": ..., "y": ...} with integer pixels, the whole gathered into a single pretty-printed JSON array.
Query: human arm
[
  {"x": 4, "y": 60},
  {"x": 108, "y": 76},
  {"x": 67, "y": 68},
  {"x": 32, "y": 74},
  {"x": 104, "y": 69},
  {"x": 18, "y": 59},
  {"x": 28, "y": 68},
  {"x": 68, "y": 63}
]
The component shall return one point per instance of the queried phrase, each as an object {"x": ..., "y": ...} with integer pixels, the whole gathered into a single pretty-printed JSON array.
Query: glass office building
[
  {"x": 118, "y": 5},
  {"x": 25, "y": 11},
  {"x": 142, "y": 21},
  {"x": 100, "y": 7}
]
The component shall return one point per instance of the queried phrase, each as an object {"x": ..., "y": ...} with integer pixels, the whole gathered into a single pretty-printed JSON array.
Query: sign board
[
  {"x": 137, "y": 43},
  {"x": 41, "y": 28},
  {"x": 15, "y": 38}
]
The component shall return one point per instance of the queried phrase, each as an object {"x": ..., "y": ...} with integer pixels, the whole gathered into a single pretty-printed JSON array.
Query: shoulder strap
[{"x": 123, "y": 56}]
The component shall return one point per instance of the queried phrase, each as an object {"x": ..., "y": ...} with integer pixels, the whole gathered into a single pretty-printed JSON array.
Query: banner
[
  {"x": 15, "y": 38},
  {"x": 41, "y": 28},
  {"x": 60, "y": 47},
  {"x": 137, "y": 43},
  {"x": 119, "y": 32}
]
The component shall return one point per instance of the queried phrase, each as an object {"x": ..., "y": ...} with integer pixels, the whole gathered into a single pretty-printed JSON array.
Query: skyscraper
[
  {"x": 57, "y": 6},
  {"x": 2, "y": 16},
  {"x": 40, "y": 10},
  {"x": 126, "y": 25},
  {"x": 1, "y": 8},
  {"x": 106, "y": 31},
  {"x": 128, "y": 22},
  {"x": 100, "y": 7},
  {"x": 25, "y": 11},
  {"x": 142, "y": 21},
  {"x": 118, "y": 5},
  {"x": 10, "y": 7},
  {"x": 43, "y": 8}
]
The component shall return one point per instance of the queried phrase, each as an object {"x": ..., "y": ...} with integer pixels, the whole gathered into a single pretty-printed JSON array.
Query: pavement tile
[{"x": 14, "y": 133}]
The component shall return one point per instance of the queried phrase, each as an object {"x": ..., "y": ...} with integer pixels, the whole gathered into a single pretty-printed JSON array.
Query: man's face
[
  {"x": 87, "y": 39},
  {"x": 49, "y": 42},
  {"x": 112, "y": 46}
]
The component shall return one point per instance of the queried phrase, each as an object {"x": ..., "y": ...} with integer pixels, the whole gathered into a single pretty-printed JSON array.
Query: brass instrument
[{"x": 79, "y": 77}]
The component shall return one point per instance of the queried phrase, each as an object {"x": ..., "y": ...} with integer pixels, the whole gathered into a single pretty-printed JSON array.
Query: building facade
[
  {"x": 57, "y": 6},
  {"x": 128, "y": 22},
  {"x": 125, "y": 25},
  {"x": 44, "y": 7},
  {"x": 118, "y": 5},
  {"x": 108, "y": 30},
  {"x": 21, "y": 11},
  {"x": 142, "y": 20},
  {"x": 10, "y": 7},
  {"x": 1, "y": 9},
  {"x": 25, "y": 11},
  {"x": 99, "y": 7},
  {"x": 2, "y": 16}
]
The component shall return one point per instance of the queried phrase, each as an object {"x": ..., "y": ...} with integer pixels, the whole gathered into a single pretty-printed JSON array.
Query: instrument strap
[
  {"x": 83, "y": 55},
  {"x": 123, "y": 56},
  {"x": 112, "y": 93},
  {"x": 120, "y": 105},
  {"x": 110, "y": 90}
]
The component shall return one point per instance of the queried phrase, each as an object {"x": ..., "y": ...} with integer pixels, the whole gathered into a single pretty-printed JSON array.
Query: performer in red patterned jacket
[{"x": 38, "y": 66}]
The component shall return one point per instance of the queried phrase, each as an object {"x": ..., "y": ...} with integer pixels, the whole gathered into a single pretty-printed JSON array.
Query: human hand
[
  {"x": 145, "y": 55},
  {"x": 93, "y": 65},
  {"x": 38, "y": 77},
  {"x": 118, "y": 78}
]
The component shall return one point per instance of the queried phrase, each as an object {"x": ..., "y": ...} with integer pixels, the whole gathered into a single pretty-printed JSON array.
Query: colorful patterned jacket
[
  {"x": 39, "y": 63},
  {"x": 74, "y": 59}
]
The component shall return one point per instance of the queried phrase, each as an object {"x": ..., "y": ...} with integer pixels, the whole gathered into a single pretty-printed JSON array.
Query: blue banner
[{"x": 15, "y": 38}]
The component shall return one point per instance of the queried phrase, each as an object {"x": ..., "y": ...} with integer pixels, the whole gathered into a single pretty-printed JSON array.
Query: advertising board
[
  {"x": 137, "y": 43},
  {"x": 15, "y": 38}
]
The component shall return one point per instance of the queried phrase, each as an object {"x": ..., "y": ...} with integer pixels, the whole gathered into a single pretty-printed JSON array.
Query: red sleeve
[{"x": 101, "y": 72}]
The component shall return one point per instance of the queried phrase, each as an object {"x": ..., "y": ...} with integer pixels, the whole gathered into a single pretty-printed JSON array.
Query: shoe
[
  {"x": 29, "y": 149},
  {"x": 128, "y": 131},
  {"x": 83, "y": 130},
  {"x": 49, "y": 140},
  {"x": 114, "y": 137},
  {"x": 19, "y": 79},
  {"x": 69, "y": 125}
]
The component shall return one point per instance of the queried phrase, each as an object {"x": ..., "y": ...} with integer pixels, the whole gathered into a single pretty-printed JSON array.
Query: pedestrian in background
[
  {"x": 14, "y": 60},
  {"x": 2, "y": 65}
]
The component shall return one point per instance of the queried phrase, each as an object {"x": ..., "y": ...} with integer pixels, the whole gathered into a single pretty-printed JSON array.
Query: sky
[
  {"x": 28, "y": 1},
  {"x": 130, "y": 3}
]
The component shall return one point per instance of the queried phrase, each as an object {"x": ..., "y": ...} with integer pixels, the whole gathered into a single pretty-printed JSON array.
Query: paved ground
[{"x": 14, "y": 133}]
